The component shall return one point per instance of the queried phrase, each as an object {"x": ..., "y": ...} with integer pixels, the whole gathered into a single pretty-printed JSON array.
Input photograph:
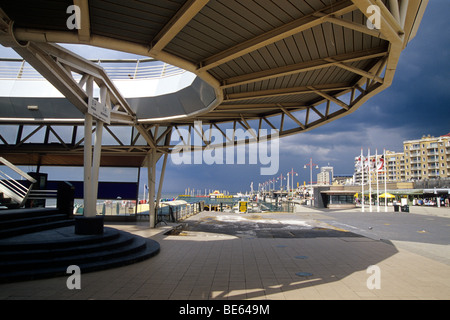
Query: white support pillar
[
  {"x": 90, "y": 223},
  {"x": 88, "y": 155},
  {"x": 96, "y": 167},
  {"x": 151, "y": 163},
  {"x": 92, "y": 161},
  {"x": 161, "y": 180},
  {"x": 97, "y": 153}
]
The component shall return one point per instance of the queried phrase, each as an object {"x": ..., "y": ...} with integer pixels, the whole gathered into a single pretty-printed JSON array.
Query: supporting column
[
  {"x": 96, "y": 165},
  {"x": 163, "y": 170},
  {"x": 87, "y": 163},
  {"x": 90, "y": 223},
  {"x": 151, "y": 187},
  {"x": 97, "y": 155},
  {"x": 161, "y": 180}
]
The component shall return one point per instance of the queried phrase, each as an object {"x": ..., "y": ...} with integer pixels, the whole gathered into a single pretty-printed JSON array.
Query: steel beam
[{"x": 187, "y": 12}]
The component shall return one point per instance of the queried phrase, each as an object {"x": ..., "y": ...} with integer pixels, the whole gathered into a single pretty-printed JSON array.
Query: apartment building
[
  {"x": 421, "y": 159},
  {"x": 325, "y": 177},
  {"x": 427, "y": 158}
]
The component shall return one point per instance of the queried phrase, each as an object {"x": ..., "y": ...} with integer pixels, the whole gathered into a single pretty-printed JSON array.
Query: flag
[
  {"x": 359, "y": 163},
  {"x": 373, "y": 163},
  {"x": 366, "y": 163}
]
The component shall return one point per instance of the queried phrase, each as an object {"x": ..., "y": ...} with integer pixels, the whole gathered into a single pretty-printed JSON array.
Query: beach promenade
[{"x": 317, "y": 261}]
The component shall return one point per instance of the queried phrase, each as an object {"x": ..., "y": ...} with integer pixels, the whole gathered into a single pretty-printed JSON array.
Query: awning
[
  {"x": 437, "y": 191},
  {"x": 173, "y": 203},
  {"x": 386, "y": 195}
]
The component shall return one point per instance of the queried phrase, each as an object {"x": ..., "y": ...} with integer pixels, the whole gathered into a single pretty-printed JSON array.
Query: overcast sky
[{"x": 416, "y": 104}]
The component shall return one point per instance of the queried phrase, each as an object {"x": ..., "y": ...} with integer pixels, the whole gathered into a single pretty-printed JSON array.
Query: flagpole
[
  {"x": 385, "y": 191},
  {"x": 378, "y": 191},
  {"x": 362, "y": 180},
  {"x": 370, "y": 180}
]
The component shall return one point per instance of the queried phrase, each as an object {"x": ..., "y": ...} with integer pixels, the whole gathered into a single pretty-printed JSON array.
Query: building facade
[
  {"x": 421, "y": 159},
  {"x": 325, "y": 177}
]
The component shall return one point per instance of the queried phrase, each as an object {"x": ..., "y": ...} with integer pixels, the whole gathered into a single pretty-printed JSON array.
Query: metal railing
[
  {"x": 117, "y": 69},
  {"x": 10, "y": 187},
  {"x": 174, "y": 213}
]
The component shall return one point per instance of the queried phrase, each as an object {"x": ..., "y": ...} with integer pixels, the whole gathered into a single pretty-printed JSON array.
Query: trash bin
[
  {"x": 405, "y": 208},
  {"x": 396, "y": 207}
]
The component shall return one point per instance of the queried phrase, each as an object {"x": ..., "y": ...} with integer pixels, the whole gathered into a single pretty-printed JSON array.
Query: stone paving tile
[{"x": 202, "y": 266}]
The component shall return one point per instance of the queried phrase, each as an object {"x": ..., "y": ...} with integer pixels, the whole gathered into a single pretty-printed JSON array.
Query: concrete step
[
  {"x": 16, "y": 222},
  {"x": 24, "y": 258}
]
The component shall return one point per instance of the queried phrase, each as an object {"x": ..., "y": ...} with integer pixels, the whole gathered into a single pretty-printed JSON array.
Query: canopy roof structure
[{"x": 287, "y": 66}]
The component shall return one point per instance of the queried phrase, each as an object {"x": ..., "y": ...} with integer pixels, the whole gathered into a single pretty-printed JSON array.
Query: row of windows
[
  {"x": 425, "y": 152},
  {"x": 430, "y": 145},
  {"x": 416, "y": 166}
]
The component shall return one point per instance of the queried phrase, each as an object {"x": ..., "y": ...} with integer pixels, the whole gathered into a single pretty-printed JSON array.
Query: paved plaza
[{"x": 318, "y": 261}]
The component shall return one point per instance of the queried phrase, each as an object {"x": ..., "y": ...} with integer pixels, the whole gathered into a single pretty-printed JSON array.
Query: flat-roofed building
[{"x": 427, "y": 158}]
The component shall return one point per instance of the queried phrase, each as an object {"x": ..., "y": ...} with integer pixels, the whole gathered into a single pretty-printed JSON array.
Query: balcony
[
  {"x": 433, "y": 173},
  {"x": 416, "y": 174}
]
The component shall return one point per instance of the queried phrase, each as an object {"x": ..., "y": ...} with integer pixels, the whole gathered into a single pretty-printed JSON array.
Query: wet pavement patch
[
  {"x": 263, "y": 228},
  {"x": 304, "y": 274}
]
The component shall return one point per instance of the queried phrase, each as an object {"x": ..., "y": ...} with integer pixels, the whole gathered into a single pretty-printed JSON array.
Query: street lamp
[
  {"x": 281, "y": 181},
  {"x": 310, "y": 164},
  {"x": 291, "y": 173}
]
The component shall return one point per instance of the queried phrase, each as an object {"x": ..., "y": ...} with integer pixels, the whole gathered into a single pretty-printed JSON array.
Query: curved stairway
[
  {"x": 16, "y": 222},
  {"x": 48, "y": 253}
]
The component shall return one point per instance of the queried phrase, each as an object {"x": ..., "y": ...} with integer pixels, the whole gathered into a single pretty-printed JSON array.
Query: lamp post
[
  {"x": 281, "y": 181},
  {"x": 291, "y": 173},
  {"x": 310, "y": 164}
]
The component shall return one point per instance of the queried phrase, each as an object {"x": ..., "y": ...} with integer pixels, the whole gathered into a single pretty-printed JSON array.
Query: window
[{"x": 341, "y": 199}]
